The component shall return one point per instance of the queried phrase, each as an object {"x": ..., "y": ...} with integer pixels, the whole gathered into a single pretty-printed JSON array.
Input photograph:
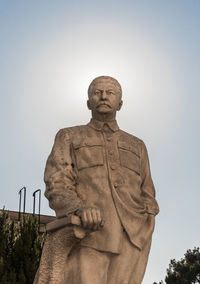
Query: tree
[
  {"x": 184, "y": 271},
  {"x": 20, "y": 250},
  {"x": 27, "y": 249},
  {"x": 7, "y": 242}
]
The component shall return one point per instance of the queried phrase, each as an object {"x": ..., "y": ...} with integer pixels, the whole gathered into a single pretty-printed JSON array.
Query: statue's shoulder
[
  {"x": 129, "y": 138},
  {"x": 69, "y": 133}
]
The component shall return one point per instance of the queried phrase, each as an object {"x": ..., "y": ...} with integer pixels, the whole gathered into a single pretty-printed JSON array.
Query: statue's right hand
[{"x": 91, "y": 218}]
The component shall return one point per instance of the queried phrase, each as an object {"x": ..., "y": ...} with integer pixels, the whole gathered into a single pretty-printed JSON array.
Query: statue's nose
[{"x": 103, "y": 96}]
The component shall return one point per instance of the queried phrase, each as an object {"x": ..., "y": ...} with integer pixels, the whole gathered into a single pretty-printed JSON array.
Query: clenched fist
[{"x": 91, "y": 218}]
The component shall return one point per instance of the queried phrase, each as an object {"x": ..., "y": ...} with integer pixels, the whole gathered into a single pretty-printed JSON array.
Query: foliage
[
  {"x": 20, "y": 250},
  {"x": 184, "y": 271}
]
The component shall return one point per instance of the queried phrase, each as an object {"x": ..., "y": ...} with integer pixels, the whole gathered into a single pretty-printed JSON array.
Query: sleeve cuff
[{"x": 151, "y": 209}]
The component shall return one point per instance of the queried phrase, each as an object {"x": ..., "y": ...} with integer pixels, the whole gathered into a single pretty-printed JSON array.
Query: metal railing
[
  {"x": 23, "y": 189},
  {"x": 34, "y": 197}
]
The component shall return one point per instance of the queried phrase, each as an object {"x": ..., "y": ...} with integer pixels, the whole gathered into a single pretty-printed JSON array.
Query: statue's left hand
[{"x": 91, "y": 218}]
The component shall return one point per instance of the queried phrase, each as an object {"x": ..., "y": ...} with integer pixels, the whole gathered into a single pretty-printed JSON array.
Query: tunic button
[
  {"x": 113, "y": 167},
  {"x": 110, "y": 152},
  {"x": 109, "y": 138},
  {"x": 115, "y": 185}
]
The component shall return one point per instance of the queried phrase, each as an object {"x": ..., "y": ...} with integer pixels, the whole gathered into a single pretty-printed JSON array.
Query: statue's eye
[
  {"x": 110, "y": 92},
  {"x": 97, "y": 92}
]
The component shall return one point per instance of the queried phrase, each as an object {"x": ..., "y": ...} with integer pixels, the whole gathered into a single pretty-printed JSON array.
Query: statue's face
[{"x": 105, "y": 98}]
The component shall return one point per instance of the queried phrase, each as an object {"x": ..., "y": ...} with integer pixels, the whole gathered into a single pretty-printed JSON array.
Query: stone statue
[{"x": 98, "y": 182}]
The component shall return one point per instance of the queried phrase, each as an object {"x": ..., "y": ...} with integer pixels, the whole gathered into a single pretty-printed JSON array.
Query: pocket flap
[
  {"x": 89, "y": 143},
  {"x": 93, "y": 142},
  {"x": 128, "y": 147},
  {"x": 77, "y": 145}
]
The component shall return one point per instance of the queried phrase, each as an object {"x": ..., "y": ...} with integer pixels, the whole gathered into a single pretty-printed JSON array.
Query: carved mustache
[{"x": 103, "y": 103}]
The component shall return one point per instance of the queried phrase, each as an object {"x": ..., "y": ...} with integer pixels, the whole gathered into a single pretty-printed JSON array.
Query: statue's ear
[
  {"x": 120, "y": 105},
  {"x": 88, "y": 104}
]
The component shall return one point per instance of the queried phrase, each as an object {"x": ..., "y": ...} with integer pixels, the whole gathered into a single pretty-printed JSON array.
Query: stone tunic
[{"x": 101, "y": 166}]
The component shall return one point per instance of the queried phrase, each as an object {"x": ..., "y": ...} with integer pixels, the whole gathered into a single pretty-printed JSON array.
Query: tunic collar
[{"x": 98, "y": 125}]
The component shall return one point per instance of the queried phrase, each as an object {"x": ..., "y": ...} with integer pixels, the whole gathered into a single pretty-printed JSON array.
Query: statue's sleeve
[
  {"x": 147, "y": 187},
  {"x": 60, "y": 177}
]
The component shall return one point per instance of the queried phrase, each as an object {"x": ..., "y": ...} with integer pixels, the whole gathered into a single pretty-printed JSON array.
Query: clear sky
[{"x": 49, "y": 53}]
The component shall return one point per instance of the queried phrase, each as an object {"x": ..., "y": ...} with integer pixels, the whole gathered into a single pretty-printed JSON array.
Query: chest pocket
[
  {"x": 88, "y": 154},
  {"x": 129, "y": 156}
]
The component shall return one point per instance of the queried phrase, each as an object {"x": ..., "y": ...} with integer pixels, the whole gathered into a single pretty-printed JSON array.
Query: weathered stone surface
[{"x": 98, "y": 181}]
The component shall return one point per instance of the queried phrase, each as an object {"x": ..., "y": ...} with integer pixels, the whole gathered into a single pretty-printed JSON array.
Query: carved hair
[{"x": 100, "y": 78}]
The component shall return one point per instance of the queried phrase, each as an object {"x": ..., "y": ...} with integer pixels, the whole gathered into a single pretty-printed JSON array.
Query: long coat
[{"x": 101, "y": 166}]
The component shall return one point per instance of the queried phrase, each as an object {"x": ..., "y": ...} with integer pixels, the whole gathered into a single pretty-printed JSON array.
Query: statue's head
[
  {"x": 104, "y": 95},
  {"x": 104, "y": 80}
]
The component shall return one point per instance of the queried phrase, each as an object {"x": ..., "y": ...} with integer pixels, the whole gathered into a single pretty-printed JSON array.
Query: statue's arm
[
  {"x": 147, "y": 187},
  {"x": 60, "y": 177}
]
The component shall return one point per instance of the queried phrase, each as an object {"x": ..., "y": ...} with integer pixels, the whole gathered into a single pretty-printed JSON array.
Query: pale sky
[{"x": 49, "y": 53}]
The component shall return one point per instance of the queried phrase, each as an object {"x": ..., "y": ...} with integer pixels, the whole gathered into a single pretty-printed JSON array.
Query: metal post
[
  {"x": 19, "y": 204},
  {"x": 39, "y": 206},
  {"x": 33, "y": 204},
  {"x": 34, "y": 195},
  {"x": 24, "y": 199},
  {"x": 20, "y": 196}
]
